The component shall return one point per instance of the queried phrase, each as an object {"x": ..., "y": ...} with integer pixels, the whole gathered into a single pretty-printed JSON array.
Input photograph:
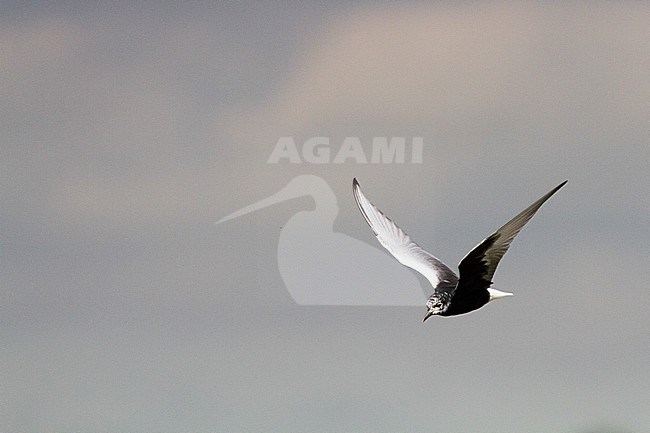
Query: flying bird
[{"x": 452, "y": 294}]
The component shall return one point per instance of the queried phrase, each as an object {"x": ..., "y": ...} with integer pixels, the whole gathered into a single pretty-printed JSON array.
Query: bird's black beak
[{"x": 426, "y": 316}]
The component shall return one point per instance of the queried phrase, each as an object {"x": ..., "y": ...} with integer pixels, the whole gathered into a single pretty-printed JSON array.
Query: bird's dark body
[
  {"x": 471, "y": 292},
  {"x": 463, "y": 302}
]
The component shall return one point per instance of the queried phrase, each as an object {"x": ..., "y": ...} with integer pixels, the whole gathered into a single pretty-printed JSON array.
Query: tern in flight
[{"x": 452, "y": 295}]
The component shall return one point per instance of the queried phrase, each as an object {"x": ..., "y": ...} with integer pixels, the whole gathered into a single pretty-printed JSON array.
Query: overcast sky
[{"x": 129, "y": 130}]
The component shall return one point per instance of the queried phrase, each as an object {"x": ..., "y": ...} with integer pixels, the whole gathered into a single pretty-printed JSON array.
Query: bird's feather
[
  {"x": 400, "y": 245},
  {"x": 477, "y": 268}
]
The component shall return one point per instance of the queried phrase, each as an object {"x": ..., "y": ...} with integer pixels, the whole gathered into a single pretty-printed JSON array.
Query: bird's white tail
[{"x": 497, "y": 294}]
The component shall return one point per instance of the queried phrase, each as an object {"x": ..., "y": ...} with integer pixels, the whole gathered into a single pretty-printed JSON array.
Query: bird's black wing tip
[{"x": 557, "y": 188}]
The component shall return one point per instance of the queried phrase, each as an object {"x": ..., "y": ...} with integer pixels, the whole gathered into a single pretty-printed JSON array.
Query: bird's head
[{"x": 436, "y": 305}]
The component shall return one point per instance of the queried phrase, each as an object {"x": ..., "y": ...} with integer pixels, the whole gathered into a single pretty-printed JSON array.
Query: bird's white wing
[
  {"x": 400, "y": 245},
  {"x": 480, "y": 264}
]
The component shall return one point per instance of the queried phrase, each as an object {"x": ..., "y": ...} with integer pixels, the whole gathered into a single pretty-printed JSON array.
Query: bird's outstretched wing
[
  {"x": 477, "y": 268},
  {"x": 400, "y": 245}
]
